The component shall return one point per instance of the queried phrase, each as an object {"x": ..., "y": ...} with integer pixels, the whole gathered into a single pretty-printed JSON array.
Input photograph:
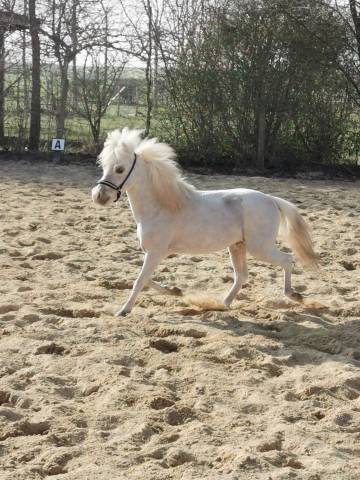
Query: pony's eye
[{"x": 119, "y": 169}]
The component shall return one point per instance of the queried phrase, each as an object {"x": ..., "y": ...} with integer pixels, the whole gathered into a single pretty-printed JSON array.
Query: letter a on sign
[{"x": 58, "y": 144}]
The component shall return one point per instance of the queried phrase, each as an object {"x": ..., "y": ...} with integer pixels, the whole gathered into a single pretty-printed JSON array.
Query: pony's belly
[
  {"x": 193, "y": 250},
  {"x": 205, "y": 244},
  {"x": 206, "y": 229}
]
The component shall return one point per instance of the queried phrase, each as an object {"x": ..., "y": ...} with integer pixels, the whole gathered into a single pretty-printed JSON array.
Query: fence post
[{"x": 58, "y": 147}]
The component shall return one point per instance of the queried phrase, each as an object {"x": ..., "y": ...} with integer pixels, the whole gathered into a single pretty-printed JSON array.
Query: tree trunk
[
  {"x": 62, "y": 101},
  {"x": 96, "y": 134},
  {"x": 35, "y": 118},
  {"x": 2, "y": 86},
  {"x": 356, "y": 19},
  {"x": 261, "y": 130},
  {"x": 22, "y": 100},
  {"x": 75, "y": 88},
  {"x": 156, "y": 73},
  {"x": 148, "y": 73},
  {"x": 74, "y": 27}
]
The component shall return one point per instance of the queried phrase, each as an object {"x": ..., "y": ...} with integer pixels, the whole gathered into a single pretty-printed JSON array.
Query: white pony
[{"x": 172, "y": 216}]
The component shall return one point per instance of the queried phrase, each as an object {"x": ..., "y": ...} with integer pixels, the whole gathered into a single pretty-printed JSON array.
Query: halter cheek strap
[{"x": 107, "y": 183}]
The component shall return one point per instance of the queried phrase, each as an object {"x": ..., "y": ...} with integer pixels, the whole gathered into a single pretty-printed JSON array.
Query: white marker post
[{"x": 57, "y": 146}]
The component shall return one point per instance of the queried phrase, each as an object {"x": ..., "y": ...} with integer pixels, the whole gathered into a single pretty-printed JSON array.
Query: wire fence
[{"x": 126, "y": 109}]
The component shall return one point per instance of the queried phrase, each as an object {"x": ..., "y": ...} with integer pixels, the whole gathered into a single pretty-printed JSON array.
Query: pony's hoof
[
  {"x": 295, "y": 296},
  {"x": 122, "y": 312}
]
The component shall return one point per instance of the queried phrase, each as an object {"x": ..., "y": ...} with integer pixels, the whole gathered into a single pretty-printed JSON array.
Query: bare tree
[
  {"x": 2, "y": 82},
  {"x": 99, "y": 81},
  {"x": 69, "y": 20},
  {"x": 35, "y": 120},
  {"x": 74, "y": 38},
  {"x": 11, "y": 24},
  {"x": 98, "y": 87},
  {"x": 144, "y": 27}
]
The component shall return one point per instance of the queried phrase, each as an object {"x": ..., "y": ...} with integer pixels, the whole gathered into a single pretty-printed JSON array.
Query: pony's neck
[
  {"x": 159, "y": 189},
  {"x": 142, "y": 199}
]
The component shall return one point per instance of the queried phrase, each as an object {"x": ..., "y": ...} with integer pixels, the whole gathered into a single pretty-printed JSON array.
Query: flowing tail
[{"x": 297, "y": 233}]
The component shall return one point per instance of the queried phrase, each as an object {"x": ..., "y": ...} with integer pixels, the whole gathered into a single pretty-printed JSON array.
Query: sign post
[{"x": 58, "y": 147}]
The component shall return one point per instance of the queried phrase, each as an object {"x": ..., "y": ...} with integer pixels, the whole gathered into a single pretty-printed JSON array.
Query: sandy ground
[{"x": 267, "y": 390}]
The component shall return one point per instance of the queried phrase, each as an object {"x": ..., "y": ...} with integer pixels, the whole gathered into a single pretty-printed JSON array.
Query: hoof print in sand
[
  {"x": 50, "y": 349},
  {"x": 7, "y": 307},
  {"x": 179, "y": 415},
  {"x": 116, "y": 284},
  {"x": 271, "y": 369},
  {"x": 33, "y": 226},
  {"x": 177, "y": 456},
  {"x": 349, "y": 266},
  {"x": 70, "y": 313},
  {"x": 274, "y": 443},
  {"x": 343, "y": 419},
  {"x": 24, "y": 428},
  {"x": 164, "y": 345},
  {"x": 164, "y": 331},
  {"x": 13, "y": 400},
  {"x": 47, "y": 256},
  {"x": 144, "y": 432},
  {"x": 56, "y": 464},
  {"x": 323, "y": 343},
  {"x": 159, "y": 403},
  {"x": 281, "y": 459},
  {"x": 353, "y": 382},
  {"x": 189, "y": 312}
]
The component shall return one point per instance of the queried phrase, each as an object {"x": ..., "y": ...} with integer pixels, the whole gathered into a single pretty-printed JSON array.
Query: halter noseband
[{"x": 113, "y": 186}]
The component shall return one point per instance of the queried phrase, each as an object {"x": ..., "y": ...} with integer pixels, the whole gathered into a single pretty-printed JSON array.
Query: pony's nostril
[
  {"x": 102, "y": 199},
  {"x": 100, "y": 196}
]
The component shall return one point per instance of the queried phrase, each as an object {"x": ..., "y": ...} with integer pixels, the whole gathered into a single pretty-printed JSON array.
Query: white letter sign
[{"x": 58, "y": 144}]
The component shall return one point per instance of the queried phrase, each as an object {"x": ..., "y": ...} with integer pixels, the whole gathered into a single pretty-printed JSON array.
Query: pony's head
[{"x": 117, "y": 160}]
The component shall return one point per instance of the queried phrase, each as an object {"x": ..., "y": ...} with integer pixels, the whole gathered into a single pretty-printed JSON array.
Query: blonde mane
[
  {"x": 117, "y": 142},
  {"x": 169, "y": 186}
]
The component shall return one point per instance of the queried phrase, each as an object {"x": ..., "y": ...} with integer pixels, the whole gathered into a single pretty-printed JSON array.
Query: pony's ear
[
  {"x": 125, "y": 146},
  {"x": 111, "y": 134}
]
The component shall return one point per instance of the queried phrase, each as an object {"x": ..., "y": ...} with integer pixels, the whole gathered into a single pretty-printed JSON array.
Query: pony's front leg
[{"x": 151, "y": 261}]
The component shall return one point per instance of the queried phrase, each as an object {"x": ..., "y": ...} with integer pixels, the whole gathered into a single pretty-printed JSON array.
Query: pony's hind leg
[
  {"x": 238, "y": 259},
  {"x": 284, "y": 260},
  {"x": 261, "y": 232}
]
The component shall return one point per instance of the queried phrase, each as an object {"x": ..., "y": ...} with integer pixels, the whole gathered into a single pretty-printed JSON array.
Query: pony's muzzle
[{"x": 100, "y": 195}]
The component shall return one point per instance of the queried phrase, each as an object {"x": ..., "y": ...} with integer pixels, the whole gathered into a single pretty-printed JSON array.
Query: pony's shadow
[{"x": 308, "y": 336}]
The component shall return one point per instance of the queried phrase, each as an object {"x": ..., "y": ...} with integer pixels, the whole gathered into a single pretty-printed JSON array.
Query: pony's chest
[{"x": 153, "y": 235}]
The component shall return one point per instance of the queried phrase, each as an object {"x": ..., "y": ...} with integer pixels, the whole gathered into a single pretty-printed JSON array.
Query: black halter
[{"x": 113, "y": 186}]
